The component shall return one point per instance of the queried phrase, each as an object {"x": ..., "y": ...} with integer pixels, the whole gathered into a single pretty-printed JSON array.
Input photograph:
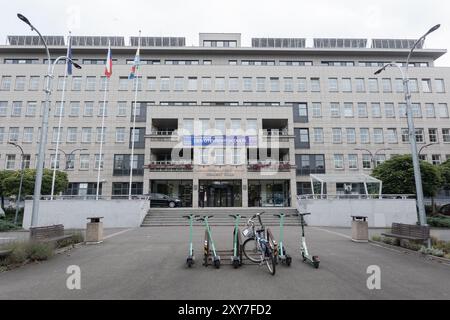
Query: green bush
[
  {"x": 391, "y": 241},
  {"x": 443, "y": 245},
  {"x": 77, "y": 237},
  {"x": 376, "y": 238},
  {"x": 18, "y": 254},
  {"x": 439, "y": 221},
  {"x": 27, "y": 251},
  {"x": 411, "y": 245},
  {"x": 6, "y": 225},
  {"x": 433, "y": 251}
]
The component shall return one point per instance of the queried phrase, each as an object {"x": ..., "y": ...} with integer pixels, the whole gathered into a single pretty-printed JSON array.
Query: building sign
[{"x": 220, "y": 141}]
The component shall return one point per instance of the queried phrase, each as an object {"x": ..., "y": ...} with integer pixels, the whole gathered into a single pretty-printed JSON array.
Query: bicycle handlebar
[{"x": 236, "y": 215}]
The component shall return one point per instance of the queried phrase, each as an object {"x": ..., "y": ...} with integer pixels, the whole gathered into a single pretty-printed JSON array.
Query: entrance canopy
[{"x": 344, "y": 178}]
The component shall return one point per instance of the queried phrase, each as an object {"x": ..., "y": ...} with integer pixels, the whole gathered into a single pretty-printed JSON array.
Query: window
[
  {"x": 360, "y": 85},
  {"x": 164, "y": 84},
  {"x": 188, "y": 126},
  {"x": 122, "y": 188},
  {"x": 366, "y": 161},
  {"x": 288, "y": 84},
  {"x": 71, "y": 135},
  {"x": 88, "y": 109},
  {"x": 301, "y": 85},
  {"x": 70, "y": 161},
  {"x": 99, "y": 159},
  {"x": 84, "y": 162},
  {"x": 379, "y": 159},
  {"x": 90, "y": 83},
  {"x": 120, "y": 135},
  {"x": 436, "y": 159},
  {"x": 413, "y": 85},
  {"x": 353, "y": 161},
  {"x": 233, "y": 84},
  {"x": 351, "y": 135},
  {"x": 76, "y": 83},
  {"x": 387, "y": 84},
  {"x": 316, "y": 109},
  {"x": 389, "y": 110},
  {"x": 6, "y": 83},
  {"x": 315, "y": 84},
  {"x": 362, "y": 110},
  {"x": 235, "y": 126},
  {"x": 26, "y": 161},
  {"x": 402, "y": 110},
  {"x": 274, "y": 84},
  {"x": 429, "y": 110},
  {"x": 101, "y": 135},
  {"x": 443, "y": 110},
  {"x": 399, "y": 88},
  {"x": 260, "y": 84},
  {"x": 439, "y": 85},
  {"x": 376, "y": 110},
  {"x": 178, "y": 83},
  {"x": 16, "y": 109},
  {"x": 61, "y": 83},
  {"x": 86, "y": 135},
  {"x": 392, "y": 135},
  {"x": 433, "y": 135},
  {"x": 348, "y": 110},
  {"x": 303, "y": 135},
  {"x": 20, "y": 83},
  {"x": 248, "y": 84},
  {"x": 338, "y": 161},
  {"x": 405, "y": 135},
  {"x": 2, "y": 134},
  {"x": 426, "y": 85},
  {"x": 302, "y": 110},
  {"x": 74, "y": 109},
  {"x": 123, "y": 83},
  {"x": 57, "y": 134},
  {"x": 378, "y": 135},
  {"x": 346, "y": 85},
  {"x": 420, "y": 136},
  {"x": 333, "y": 85},
  {"x": 206, "y": 84},
  {"x": 59, "y": 109},
  {"x": 446, "y": 135},
  {"x": 373, "y": 85},
  {"x": 10, "y": 162},
  {"x": 3, "y": 108},
  {"x": 416, "y": 110},
  {"x": 251, "y": 126},
  {"x": 137, "y": 82},
  {"x": 192, "y": 83},
  {"x": 103, "y": 109},
  {"x": 31, "y": 109},
  {"x": 34, "y": 83},
  {"x": 335, "y": 110},
  {"x": 151, "y": 84},
  {"x": 364, "y": 135},
  {"x": 318, "y": 135},
  {"x": 219, "y": 156},
  {"x": 28, "y": 134},
  {"x": 337, "y": 135},
  {"x": 121, "y": 108}
]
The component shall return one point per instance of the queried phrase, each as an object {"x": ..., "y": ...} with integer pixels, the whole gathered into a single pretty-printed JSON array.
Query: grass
[
  {"x": 23, "y": 252},
  {"x": 7, "y": 222}
]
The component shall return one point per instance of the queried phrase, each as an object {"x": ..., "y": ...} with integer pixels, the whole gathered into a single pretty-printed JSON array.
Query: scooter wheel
[
  {"x": 236, "y": 263},
  {"x": 217, "y": 263},
  {"x": 316, "y": 261},
  {"x": 288, "y": 260},
  {"x": 189, "y": 262}
]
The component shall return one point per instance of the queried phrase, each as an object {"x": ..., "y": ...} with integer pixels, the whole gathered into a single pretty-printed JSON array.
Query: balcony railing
[
  {"x": 275, "y": 132},
  {"x": 280, "y": 166},
  {"x": 166, "y": 166}
]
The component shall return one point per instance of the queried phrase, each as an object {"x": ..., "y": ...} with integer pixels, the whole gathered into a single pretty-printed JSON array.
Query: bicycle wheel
[
  {"x": 270, "y": 261},
  {"x": 251, "y": 251}
]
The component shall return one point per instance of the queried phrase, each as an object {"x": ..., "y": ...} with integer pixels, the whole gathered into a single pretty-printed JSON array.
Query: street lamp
[
  {"x": 411, "y": 129},
  {"x": 21, "y": 180},
  {"x": 44, "y": 125},
  {"x": 67, "y": 155},
  {"x": 372, "y": 155},
  {"x": 426, "y": 146}
]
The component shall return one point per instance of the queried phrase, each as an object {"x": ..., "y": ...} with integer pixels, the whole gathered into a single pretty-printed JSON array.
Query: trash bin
[
  {"x": 94, "y": 230},
  {"x": 360, "y": 229}
]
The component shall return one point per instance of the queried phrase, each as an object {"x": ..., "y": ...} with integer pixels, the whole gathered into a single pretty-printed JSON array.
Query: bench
[
  {"x": 53, "y": 233},
  {"x": 409, "y": 232}
]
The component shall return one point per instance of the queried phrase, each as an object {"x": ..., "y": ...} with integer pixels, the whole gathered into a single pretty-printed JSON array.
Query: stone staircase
[{"x": 158, "y": 217}]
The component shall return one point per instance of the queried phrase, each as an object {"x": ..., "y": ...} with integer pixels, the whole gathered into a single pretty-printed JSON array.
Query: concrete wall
[
  {"x": 74, "y": 213},
  {"x": 380, "y": 212}
]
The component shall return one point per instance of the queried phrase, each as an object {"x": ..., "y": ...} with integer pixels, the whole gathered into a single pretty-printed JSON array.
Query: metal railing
[
  {"x": 270, "y": 165},
  {"x": 170, "y": 166},
  {"x": 89, "y": 197},
  {"x": 163, "y": 133},
  {"x": 354, "y": 196}
]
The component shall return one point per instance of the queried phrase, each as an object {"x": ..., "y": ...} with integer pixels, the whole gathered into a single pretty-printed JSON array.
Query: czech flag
[
  {"x": 108, "y": 66},
  {"x": 135, "y": 65}
]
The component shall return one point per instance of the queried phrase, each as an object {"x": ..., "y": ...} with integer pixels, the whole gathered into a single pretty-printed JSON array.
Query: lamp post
[
  {"x": 411, "y": 129},
  {"x": 44, "y": 125},
  {"x": 426, "y": 146},
  {"x": 372, "y": 155},
  {"x": 67, "y": 155},
  {"x": 21, "y": 180}
]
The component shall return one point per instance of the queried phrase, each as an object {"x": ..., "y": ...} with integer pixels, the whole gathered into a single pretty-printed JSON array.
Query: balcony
[
  {"x": 170, "y": 166},
  {"x": 276, "y": 166}
]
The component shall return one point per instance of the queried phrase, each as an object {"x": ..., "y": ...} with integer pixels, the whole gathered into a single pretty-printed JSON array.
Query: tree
[
  {"x": 10, "y": 183},
  {"x": 3, "y": 175},
  {"x": 445, "y": 174},
  {"x": 397, "y": 175}
]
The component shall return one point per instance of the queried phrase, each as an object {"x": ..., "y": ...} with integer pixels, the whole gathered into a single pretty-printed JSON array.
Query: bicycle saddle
[{"x": 281, "y": 214}]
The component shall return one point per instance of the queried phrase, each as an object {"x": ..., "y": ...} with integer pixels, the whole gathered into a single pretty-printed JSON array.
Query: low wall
[
  {"x": 74, "y": 213},
  {"x": 337, "y": 212}
]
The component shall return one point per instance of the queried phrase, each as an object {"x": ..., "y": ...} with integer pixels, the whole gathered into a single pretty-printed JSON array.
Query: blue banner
[{"x": 220, "y": 141}]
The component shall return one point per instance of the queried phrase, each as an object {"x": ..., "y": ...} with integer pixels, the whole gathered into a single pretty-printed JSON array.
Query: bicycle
[{"x": 257, "y": 247}]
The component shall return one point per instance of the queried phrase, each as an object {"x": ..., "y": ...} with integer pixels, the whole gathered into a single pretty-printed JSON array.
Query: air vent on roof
[
  {"x": 278, "y": 42},
  {"x": 395, "y": 44},
  {"x": 97, "y": 41},
  {"x": 158, "y": 41},
  {"x": 339, "y": 43},
  {"x": 35, "y": 40}
]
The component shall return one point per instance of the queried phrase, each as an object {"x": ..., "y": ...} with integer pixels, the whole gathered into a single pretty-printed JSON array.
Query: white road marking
[
  {"x": 332, "y": 232},
  {"x": 116, "y": 234}
]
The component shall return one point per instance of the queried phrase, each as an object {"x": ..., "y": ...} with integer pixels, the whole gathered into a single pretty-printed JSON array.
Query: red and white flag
[{"x": 108, "y": 66}]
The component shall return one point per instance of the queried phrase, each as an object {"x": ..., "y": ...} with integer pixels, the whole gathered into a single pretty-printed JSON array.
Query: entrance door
[{"x": 222, "y": 193}]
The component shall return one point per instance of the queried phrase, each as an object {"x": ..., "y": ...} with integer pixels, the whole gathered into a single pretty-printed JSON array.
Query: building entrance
[{"x": 220, "y": 193}]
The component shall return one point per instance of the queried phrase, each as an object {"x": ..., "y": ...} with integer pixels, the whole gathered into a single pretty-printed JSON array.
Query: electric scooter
[
  {"x": 236, "y": 259},
  {"x": 313, "y": 260},
  {"x": 282, "y": 255},
  {"x": 209, "y": 240},
  {"x": 191, "y": 258}
]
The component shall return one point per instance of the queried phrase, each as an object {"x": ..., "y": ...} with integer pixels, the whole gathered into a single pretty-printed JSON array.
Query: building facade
[{"x": 219, "y": 124}]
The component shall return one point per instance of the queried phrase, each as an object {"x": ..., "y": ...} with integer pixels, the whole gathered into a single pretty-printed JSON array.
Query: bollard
[
  {"x": 94, "y": 230},
  {"x": 360, "y": 229}
]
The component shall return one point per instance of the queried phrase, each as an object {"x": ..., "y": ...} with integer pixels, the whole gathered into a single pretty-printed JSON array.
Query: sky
[{"x": 403, "y": 19}]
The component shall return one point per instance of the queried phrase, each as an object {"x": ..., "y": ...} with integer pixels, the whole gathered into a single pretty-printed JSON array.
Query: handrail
[{"x": 354, "y": 196}]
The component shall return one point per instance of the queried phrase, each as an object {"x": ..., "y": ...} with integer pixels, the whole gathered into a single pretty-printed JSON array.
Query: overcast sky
[{"x": 251, "y": 18}]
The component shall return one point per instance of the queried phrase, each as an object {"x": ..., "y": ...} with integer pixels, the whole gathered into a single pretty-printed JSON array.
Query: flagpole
[
  {"x": 134, "y": 120},
  {"x": 102, "y": 136},
  {"x": 59, "y": 121}
]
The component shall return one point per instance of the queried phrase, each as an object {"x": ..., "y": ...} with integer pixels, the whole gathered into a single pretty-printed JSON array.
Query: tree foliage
[
  {"x": 397, "y": 175},
  {"x": 445, "y": 174}
]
